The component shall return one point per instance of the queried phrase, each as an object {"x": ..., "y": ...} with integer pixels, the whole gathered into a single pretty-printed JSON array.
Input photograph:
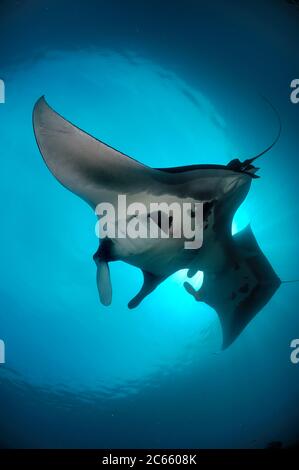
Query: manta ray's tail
[
  {"x": 252, "y": 159},
  {"x": 246, "y": 166}
]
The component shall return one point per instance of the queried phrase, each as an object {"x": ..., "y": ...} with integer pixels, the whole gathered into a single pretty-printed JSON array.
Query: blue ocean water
[{"x": 78, "y": 374}]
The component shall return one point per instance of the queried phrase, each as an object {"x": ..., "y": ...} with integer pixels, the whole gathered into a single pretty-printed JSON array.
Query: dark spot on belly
[
  {"x": 244, "y": 289},
  {"x": 207, "y": 209}
]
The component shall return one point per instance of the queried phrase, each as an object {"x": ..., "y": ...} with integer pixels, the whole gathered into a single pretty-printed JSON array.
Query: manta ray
[{"x": 238, "y": 278}]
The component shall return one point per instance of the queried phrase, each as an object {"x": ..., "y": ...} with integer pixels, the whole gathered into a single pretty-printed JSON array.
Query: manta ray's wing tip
[
  {"x": 39, "y": 108},
  {"x": 40, "y": 103},
  {"x": 40, "y": 100}
]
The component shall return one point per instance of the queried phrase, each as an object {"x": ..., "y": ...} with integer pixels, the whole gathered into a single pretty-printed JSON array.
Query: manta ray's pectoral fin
[
  {"x": 103, "y": 275},
  {"x": 150, "y": 282},
  {"x": 239, "y": 291}
]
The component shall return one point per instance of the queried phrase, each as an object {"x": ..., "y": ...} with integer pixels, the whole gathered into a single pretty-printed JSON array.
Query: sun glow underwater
[{"x": 188, "y": 130}]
